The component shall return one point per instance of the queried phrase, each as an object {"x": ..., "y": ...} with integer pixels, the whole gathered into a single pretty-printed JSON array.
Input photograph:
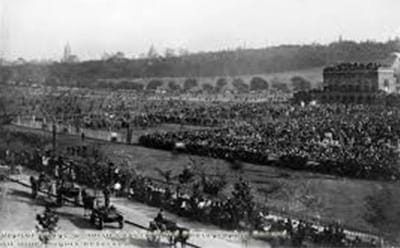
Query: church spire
[{"x": 67, "y": 52}]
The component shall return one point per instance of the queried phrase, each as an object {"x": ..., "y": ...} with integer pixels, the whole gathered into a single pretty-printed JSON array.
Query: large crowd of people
[
  {"x": 346, "y": 140},
  {"x": 353, "y": 141},
  {"x": 120, "y": 109},
  {"x": 189, "y": 198},
  {"x": 225, "y": 213}
]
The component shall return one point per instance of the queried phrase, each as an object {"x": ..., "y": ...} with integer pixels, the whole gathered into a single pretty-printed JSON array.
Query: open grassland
[{"x": 366, "y": 205}]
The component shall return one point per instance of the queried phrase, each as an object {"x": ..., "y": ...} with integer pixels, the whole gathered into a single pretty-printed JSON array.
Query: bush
[
  {"x": 208, "y": 88},
  {"x": 240, "y": 85},
  {"x": 278, "y": 85},
  {"x": 189, "y": 84},
  {"x": 221, "y": 83},
  {"x": 258, "y": 83},
  {"x": 154, "y": 84},
  {"x": 300, "y": 84},
  {"x": 136, "y": 86},
  {"x": 172, "y": 85}
]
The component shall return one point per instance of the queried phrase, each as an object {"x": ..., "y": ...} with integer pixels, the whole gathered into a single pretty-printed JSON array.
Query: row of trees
[
  {"x": 232, "y": 63},
  {"x": 256, "y": 84}
]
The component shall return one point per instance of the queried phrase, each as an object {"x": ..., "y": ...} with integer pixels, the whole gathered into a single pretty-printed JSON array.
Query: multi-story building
[{"x": 357, "y": 82}]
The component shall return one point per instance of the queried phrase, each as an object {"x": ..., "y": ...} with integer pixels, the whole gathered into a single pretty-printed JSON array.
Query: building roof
[{"x": 349, "y": 67}]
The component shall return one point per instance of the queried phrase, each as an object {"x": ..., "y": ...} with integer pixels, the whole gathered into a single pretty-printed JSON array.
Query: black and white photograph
[{"x": 199, "y": 123}]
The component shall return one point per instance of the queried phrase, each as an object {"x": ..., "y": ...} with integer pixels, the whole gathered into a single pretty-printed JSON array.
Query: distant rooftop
[{"x": 353, "y": 67}]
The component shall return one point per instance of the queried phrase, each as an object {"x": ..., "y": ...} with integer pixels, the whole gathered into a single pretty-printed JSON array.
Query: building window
[{"x": 386, "y": 83}]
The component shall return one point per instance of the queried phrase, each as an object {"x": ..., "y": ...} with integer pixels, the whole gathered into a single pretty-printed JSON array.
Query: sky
[{"x": 39, "y": 29}]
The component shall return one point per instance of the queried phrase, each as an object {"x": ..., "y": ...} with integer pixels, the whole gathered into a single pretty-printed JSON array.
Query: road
[{"x": 18, "y": 212}]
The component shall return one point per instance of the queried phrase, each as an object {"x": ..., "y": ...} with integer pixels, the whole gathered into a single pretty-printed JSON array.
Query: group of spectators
[
  {"x": 353, "y": 141},
  {"x": 189, "y": 198},
  {"x": 121, "y": 109},
  {"x": 356, "y": 141},
  {"x": 225, "y": 213}
]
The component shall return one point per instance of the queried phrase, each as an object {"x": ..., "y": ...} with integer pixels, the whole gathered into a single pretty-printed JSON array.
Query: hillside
[{"x": 275, "y": 61}]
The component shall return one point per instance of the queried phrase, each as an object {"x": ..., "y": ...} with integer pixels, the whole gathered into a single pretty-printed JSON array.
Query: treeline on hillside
[
  {"x": 189, "y": 84},
  {"x": 232, "y": 63}
]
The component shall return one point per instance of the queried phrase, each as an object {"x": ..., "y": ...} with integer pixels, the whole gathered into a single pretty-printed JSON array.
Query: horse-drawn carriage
[
  {"x": 70, "y": 190},
  {"x": 102, "y": 215},
  {"x": 169, "y": 229},
  {"x": 47, "y": 225}
]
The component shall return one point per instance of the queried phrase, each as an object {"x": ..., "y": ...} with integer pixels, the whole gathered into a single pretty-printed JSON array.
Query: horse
[
  {"x": 154, "y": 233},
  {"x": 171, "y": 230}
]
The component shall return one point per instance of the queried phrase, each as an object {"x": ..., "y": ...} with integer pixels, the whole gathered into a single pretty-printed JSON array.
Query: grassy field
[{"x": 361, "y": 204}]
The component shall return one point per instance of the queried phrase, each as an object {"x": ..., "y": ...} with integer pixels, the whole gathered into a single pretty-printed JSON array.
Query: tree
[
  {"x": 278, "y": 85},
  {"x": 208, "y": 88},
  {"x": 213, "y": 186},
  {"x": 136, "y": 86},
  {"x": 189, "y": 84},
  {"x": 258, "y": 83},
  {"x": 169, "y": 53},
  {"x": 300, "y": 84},
  {"x": 128, "y": 174},
  {"x": 94, "y": 172},
  {"x": 243, "y": 203},
  {"x": 221, "y": 83},
  {"x": 240, "y": 85},
  {"x": 173, "y": 86},
  {"x": 152, "y": 53},
  {"x": 183, "y": 52},
  {"x": 154, "y": 84},
  {"x": 119, "y": 55}
]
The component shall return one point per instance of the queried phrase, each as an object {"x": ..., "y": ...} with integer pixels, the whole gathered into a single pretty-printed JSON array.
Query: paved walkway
[{"x": 202, "y": 235}]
